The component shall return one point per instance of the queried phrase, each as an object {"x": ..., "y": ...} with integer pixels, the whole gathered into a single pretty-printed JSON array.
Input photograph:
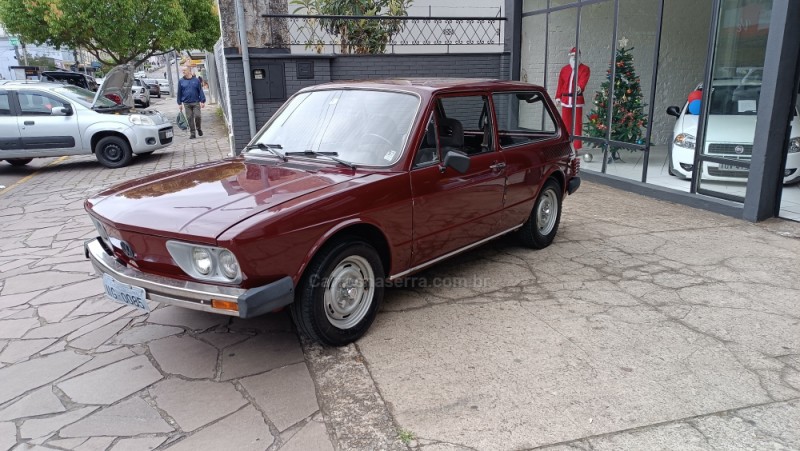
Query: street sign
[{"x": 13, "y": 41}]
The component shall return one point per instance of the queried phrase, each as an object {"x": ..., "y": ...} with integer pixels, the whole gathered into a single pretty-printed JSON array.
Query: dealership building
[{"x": 731, "y": 150}]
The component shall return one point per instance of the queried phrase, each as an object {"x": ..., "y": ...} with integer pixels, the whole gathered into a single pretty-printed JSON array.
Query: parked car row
[{"x": 47, "y": 119}]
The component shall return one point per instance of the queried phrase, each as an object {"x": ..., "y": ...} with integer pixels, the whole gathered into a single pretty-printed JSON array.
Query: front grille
[
  {"x": 717, "y": 172},
  {"x": 162, "y": 135},
  {"x": 730, "y": 149}
]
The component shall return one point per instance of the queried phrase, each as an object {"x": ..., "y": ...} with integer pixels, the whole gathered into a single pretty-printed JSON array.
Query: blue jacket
[{"x": 190, "y": 91}]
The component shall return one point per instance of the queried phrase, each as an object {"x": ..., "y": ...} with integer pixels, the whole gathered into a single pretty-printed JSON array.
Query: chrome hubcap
[
  {"x": 349, "y": 292},
  {"x": 547, "y": 212}
]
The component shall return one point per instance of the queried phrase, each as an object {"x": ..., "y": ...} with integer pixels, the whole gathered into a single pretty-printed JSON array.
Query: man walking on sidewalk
[{"x": 190, "y": 93}]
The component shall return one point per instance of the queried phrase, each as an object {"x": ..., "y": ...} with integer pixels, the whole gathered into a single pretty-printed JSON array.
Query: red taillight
[{"x": 576, "y": 165}]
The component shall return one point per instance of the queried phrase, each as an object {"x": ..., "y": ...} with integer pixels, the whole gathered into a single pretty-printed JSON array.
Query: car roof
[
  {"x": 30, "y": 83},
  {"x": 428, "y": 85}
]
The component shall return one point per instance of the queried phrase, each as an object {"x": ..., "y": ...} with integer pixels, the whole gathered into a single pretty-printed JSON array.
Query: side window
[
  {"x": 465, "y": 124},
  {"x": 5, "y": 107},
  {"x": 33, "y": 104},
  {"x": 522, "y": 117},
  {"x": 428, "y": 152}
]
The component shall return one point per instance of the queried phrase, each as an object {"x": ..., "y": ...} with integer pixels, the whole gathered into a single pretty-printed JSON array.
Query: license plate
[
  {"x": 730, "y": 167},
  {"x": 168, "y": 134},
  {"x": 124, "y": 293}
]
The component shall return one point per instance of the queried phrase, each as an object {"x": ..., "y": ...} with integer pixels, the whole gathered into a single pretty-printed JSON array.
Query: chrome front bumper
[{"x": 193, "y": 295}]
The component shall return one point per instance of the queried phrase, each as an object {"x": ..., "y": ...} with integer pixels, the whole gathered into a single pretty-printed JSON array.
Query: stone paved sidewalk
[{"x": 82, "y": 373}]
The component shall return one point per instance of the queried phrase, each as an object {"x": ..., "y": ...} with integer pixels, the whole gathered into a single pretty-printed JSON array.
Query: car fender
[
  {"x": 109, "y": 126},
  {"x": 327, "y": 236}
]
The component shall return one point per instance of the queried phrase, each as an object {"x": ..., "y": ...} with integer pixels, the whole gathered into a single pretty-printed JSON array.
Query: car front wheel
[
  {"x": 113, "y": 152},
  {"x": 542, "y": 225},
  {"x": 19, "y": 161},
  {"x": 340, "y": 294}
]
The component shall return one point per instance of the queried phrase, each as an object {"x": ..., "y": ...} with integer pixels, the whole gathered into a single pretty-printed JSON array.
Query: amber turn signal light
[{"x": 225, "y": 305}]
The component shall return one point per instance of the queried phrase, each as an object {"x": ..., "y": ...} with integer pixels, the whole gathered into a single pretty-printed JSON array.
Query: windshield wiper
[
  {"x": 270, "y": 147},
  {"x": 330, "y": 155}
]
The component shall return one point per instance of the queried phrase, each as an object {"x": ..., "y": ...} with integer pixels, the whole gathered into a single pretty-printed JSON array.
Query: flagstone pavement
[{"x": 82, "y": 373}]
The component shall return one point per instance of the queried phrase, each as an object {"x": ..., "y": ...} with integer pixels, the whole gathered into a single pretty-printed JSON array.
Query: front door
[
  {"x": 44, "y": 134},
  {"x": 452, "y": 210}
]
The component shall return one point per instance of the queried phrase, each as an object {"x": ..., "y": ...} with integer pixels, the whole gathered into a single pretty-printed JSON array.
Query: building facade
[{"x": 736, "y": 152}]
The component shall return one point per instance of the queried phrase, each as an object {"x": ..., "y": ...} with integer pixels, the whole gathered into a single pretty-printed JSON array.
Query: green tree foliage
[
  {"x": 628, "y": 116},
  {"x": 356, "y": 35},
  {"x": 114, "y": 31}
]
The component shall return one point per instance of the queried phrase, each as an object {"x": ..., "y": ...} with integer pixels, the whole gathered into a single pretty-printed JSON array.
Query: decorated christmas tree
[{"x": 629, "y": 118}]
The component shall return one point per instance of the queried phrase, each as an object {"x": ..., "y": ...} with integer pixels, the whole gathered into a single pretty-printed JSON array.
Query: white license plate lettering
[{"x": 124, "y": 293}]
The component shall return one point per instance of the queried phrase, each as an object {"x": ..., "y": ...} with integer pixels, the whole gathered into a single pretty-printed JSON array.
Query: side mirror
[
  {"x": 456, "y": 160},
  {"x": 674, "y": 111},
  {"x": 61, "y": 111}
]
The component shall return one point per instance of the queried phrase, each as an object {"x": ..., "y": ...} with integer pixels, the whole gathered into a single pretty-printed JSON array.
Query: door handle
[
  {"x": 498, "y": 166},
  {"x": 28, "y": 122}
]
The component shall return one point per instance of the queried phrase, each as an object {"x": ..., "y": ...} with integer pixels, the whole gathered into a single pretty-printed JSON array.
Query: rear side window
[
  {"x": 522, "y": 117},
  {"x": 5, "y": 107}
]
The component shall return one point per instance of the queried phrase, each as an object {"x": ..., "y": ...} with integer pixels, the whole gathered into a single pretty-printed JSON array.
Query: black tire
[
  {"x": 19, "y": 161},
  {"x": 316, "y": 311},
  {"x": 113, "y": 152},
  {"x": 159, "y": 95},
  {"x": 147, "y": 105},
  {"x": 669, "y": 161},
  {"x": 542, "y": 225}
]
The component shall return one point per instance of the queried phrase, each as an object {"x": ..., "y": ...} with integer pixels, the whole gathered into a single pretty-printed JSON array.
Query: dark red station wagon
[{"x": 348, "y": 186}]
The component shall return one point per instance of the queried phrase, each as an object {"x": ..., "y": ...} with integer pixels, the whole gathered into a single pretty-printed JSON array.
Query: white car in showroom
[
  {"x": 39, "y": 119},
  {"x": 729, "y": 134}
]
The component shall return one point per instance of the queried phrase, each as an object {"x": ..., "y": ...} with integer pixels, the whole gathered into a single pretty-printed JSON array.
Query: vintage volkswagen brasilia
[{"x": 348, "y": 186}]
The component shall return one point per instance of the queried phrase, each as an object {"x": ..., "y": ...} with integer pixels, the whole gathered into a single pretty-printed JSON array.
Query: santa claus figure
[{"x": 570, "y": 96}]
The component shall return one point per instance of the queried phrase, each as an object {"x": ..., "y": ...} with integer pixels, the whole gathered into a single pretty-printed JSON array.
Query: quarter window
[{"x": 522, "y": 117}]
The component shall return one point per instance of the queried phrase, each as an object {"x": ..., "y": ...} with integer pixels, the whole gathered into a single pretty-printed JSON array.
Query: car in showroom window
[
  {"x": 729, "y": 134},
  {"x": 349, "y": 187},
  {"x": 41, "y": 119}
]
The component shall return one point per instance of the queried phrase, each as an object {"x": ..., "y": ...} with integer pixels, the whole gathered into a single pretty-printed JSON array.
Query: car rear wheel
[
  {"x": 340, "y": 294},
  {"x": 113, "y": 152},
  {"x": 542, "y": 225},
  {"x": 19, "y": 161}
]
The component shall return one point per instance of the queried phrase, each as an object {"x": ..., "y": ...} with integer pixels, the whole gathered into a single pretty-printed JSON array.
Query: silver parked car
[
  {"x": 39, "y": 119},
  {"x": 164, "y": 84},
  {"x": 141, "y": 93}
]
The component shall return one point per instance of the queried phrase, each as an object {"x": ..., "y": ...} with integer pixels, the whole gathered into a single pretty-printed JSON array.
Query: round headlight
[
  {"x": 202, "y": 260},
  {"x": 228, "y": 264}
]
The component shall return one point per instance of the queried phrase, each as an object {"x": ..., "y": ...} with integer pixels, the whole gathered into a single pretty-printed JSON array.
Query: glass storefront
[{"x": 644, "y": 115}]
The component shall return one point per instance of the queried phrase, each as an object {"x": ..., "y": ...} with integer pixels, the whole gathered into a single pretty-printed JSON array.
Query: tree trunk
[{"x": 261, "y": 31}]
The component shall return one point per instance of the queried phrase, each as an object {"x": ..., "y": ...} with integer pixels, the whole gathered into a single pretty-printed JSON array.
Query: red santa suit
[{"x": 569, "y": 99}]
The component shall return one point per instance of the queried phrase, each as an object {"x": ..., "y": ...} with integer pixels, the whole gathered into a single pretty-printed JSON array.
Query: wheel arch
[
  {"x": 559, "y": 177},
  {"x": 104, "y": 133},
  {"x": 367, "y": 232}
]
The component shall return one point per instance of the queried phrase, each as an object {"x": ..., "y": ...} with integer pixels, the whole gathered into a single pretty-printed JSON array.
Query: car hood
[
  {"x": 206, "y": 200},
  {"x": 117, "y": 82},
  {"x": 723, "y": 128}
]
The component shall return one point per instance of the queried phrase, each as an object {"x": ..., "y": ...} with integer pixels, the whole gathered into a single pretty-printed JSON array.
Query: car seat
[{"x": 451, "y": 134}]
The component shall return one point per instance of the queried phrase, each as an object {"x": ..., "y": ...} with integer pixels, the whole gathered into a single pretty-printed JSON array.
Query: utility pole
[
  {"x": 169, "y": 76},
  {"x": 24, "y": 53}
]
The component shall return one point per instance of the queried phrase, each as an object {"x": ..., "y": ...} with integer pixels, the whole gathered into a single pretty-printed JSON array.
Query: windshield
[
  {"x": 83, "y": 96},
  {"x": 735, "y": 99},
  {"x": 359, "y": 126}
]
